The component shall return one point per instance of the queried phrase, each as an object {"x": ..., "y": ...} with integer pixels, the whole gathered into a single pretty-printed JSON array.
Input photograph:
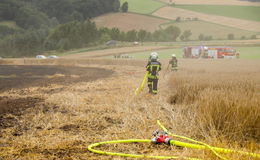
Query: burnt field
[
  {"x": 20, "y": 76},
  {"x": 25, "y": 76}
]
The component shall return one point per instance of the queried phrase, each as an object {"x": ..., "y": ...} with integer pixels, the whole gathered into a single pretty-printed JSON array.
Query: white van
[
  {"x": 41, "y": 57},
  {"x": 53, "y": 57}
]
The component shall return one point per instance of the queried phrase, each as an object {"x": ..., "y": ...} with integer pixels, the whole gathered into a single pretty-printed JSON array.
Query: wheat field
[{"x": 215, "y": 101}]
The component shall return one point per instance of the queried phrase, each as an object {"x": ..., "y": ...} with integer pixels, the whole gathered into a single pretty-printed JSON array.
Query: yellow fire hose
[
  {"x": 140, "y": 88},
  {"x": 90, "y": 148},
  {"x": 199, "y": 145}
]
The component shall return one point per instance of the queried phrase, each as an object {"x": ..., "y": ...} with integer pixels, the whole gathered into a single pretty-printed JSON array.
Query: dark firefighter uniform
[
  {"x": 153, "y": 67},
  {"x": 174, "y": 63}
]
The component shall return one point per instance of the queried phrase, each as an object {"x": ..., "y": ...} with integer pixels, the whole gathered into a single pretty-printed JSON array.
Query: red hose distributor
[{"x": 160, "y": 137}]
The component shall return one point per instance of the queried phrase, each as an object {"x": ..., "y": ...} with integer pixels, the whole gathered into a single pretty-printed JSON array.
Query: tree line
[
  {"x": 36, "y": 21},
  {"x": 34, "y": 13},
  {"x": 77, "y": 34},
  {"x": 44, "y": 25}
]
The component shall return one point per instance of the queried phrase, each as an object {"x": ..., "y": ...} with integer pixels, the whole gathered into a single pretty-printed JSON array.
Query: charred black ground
[
  {"x": 15, "y": 76},
  {"x": 22, "y": 77}
]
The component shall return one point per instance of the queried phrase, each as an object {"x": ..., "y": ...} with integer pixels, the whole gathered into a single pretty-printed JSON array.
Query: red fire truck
[{"x": 210, "y": 52}]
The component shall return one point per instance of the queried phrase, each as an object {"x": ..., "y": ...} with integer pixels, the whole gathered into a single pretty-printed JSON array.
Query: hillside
[
  {"x": 129, "y": 21},
  {"x": 143, "y": 6},
  {"x": 224, "y": 16},
  {"x": 210, "y": 29},
  {"x": 240, "y": 12},
  {"x": 28, "y": 28},
  {"x": 34, "y": 14},
  {"x": 43, "y": 25},
  {"x": 214, "y": 2},
  {"x": 10, "y": 24},
  {"x": 167, "y": 12}
]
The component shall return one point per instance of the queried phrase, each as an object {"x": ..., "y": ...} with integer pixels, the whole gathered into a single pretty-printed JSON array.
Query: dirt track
[{"x": 115, "y": 51}]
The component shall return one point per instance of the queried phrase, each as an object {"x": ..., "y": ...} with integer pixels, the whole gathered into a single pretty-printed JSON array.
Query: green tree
[
  {"x": 231, "y": 36},
  {"x": 9, "y": 9},
  {"x": 104, "y": 38},
  {"x": 54, "y": 22},
  {"x": 30, "y": 18},
  {"x": 172, "y": 33},
  {"x": 78, "y": 34},
  {"x": 24, "y": 44},
  {"x": 201, "y": 37},
  {"x": 131, "y": 36},
  {"x": 5, "y": 30},
  {"x": 124, "y": 7},
  {"x": 208, "y": 38},
  {"x": 148, "y": 36},
  {"x": 182, "y": 37},
  {"x": 156, "y": 35},
  {"x": 63, "y": 44},
  {"x": 243, "y": 37},
  {"x": 115, "y": 34},
  {"x": 122, "y": 36},
  {"x": 186, "y": 35},
  {"x": 77, "y": 16},
  {"x": 253, "y": 37},
  {"x": 178, "y": 19},
  {"x": 62, "y": 10},
  {"x": 116, "y": 5},
  {"x": 141, "y": 35}
]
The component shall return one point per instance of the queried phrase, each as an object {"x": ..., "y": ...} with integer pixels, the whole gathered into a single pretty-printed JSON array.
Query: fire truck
[{"x": 210, "y": 52}]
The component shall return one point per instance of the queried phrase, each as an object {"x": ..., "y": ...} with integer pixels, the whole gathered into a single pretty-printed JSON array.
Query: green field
[
  {"x": 210, "y": 29},
  {"x": 249, "y": 52},
  {"x": 240, "y": 12},
  {"x": 142, "y": 6},
  {"x": 245, "y": 53}
]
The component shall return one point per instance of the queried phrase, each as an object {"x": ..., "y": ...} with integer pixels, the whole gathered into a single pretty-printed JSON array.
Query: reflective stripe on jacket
[{"x": 153, "y": 68}]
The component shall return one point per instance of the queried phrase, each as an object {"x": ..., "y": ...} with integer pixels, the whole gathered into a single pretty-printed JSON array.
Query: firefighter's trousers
[
  {"x": 152, "y": 85},
  {"x": 175, "y": 69}
]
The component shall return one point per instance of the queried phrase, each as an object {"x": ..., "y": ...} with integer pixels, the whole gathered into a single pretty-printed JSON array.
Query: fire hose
[
  {"x": 194, "y": 145},
  {"x": 140, "y": 88}
]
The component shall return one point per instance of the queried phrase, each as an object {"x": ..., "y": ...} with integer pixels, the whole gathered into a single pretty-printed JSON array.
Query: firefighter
[
  {"x": 237, "y": 55},
  {"x": 174, "y": 63},
  {"x": 153, "y": 67}
]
